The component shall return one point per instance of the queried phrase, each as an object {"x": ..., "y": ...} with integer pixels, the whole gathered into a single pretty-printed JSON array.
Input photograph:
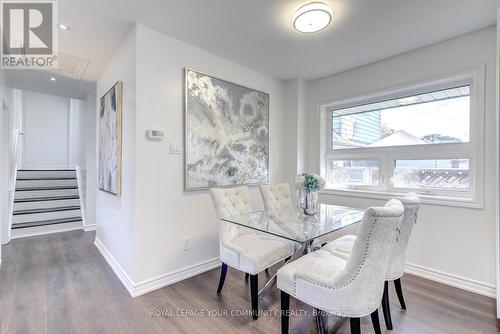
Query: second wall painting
[{"x": 110, "y": 140}]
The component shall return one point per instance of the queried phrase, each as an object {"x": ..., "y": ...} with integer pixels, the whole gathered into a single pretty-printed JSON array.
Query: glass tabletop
[{"x": 289, "y": 224}]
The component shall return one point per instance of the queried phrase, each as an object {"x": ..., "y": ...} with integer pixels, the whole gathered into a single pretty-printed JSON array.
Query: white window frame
[{"x": 473, "y": 150}]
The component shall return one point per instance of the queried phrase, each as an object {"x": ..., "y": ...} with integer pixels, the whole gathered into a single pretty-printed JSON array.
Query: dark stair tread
[
  {"x": 44, "y": 178},
  {"x": 47, "y": 188},
  {"x": 47, "y": 222},
  {"x": 45, "y": 210},
  {"x": 46, "y": 170},
  {"x": 41, "y": 199}
]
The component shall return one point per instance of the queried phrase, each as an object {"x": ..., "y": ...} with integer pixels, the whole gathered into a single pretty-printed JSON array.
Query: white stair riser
[
  {"x": 45, "y": 193},
  {"x": 24, "y": 184},
  {"x": 45, "y": 174},
  {"x": 46, "y": 204},
  {"x": 35, "y": 217}
]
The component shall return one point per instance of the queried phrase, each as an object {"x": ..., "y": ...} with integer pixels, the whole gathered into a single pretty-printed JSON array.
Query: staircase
[{"x": 44, "y": 199}]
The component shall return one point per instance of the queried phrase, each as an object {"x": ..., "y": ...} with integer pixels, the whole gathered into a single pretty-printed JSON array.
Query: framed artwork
[
  {"x": 226, "y": 133},
  {"x": 110, "y": 140}
]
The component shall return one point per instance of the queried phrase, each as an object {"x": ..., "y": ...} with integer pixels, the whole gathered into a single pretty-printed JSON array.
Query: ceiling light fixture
[
  {"x": 52, "y": 79},
  {"x": 409, "y": 100},
  {"x": 64, "y": 27},
  {"x": 312, "y": 17}
]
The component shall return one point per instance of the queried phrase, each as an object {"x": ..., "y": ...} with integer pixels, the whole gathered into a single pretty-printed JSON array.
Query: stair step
[
  {"x": 45, "y": 178},
  {"x": 47, "y": 222},
  {"x": 48, "y": 215},
  {"x": 45, "y": 170},
  {"x": 44, "y": 210},
  {"x": 46, "y": 204},
  {"x": 47, "y": 183},
  {"x": 45, "y": 193},
  {"x": 37, "y": 174},
  {"x": 46, "y": 188},
  {"x": 44, "y": 199}
]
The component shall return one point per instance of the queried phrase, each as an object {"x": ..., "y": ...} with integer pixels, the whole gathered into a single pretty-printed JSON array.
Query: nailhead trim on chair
[{"x": 358, "y": 270}]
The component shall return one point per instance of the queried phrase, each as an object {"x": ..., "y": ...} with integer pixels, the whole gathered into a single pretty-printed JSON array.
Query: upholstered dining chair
[
  {"x": 350, "y": 288},
  {"x": 343, "y": 247},
  {"x": 276, "y": 196},
  {"x": 244, "y": 249}
]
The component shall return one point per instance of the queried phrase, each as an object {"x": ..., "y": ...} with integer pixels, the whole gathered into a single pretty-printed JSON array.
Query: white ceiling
[{"x": 258, "y": 33}]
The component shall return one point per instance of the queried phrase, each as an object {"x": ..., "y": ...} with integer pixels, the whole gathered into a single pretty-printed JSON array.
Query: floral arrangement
[{"x": 309, "y": 182}]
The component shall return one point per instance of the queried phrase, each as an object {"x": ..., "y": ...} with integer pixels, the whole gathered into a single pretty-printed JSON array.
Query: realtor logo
[{"x": 29, "y": 34}]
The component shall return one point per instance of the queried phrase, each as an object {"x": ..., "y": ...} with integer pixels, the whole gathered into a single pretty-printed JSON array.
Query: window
[{"x": 418, "y": 138}]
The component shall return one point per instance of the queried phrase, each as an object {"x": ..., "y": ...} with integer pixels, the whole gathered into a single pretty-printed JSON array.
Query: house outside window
[{"x": 425, "y": 138}]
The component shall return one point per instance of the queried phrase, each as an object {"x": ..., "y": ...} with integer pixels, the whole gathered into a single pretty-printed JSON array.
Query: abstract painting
[
  {"x": 110, "y": 140},
  {"x": 227, "y": 133}
]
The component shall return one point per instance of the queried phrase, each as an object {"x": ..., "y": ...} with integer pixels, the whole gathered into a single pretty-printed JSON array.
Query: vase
[{"x": 308, "y": 202}]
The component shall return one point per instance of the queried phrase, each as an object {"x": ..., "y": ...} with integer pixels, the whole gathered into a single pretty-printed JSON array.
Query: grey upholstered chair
[
  {"x": 241, "y": 248},
  {"x": 343, "y": 246},
  {"x": 350, "y": 288},
  {"x": 276, "y": 196}
]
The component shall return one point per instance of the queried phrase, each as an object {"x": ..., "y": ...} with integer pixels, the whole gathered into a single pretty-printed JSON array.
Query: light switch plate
[{"x": 175, "y": 147}]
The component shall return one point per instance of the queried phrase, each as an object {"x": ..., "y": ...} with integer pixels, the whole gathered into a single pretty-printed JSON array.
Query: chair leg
[
  {"x": 376, "y": 322},
  {"x": 254, "y": 291},
  {"x": 399, "y": 292},
  {"x": 319, "y": 322},
  {"x": 223, "y": 272},
  {"x": 285, "y": 312},
  {"x": 247, "y": 276},
  {"x": 386, "y": 308},
  {"x": 355, "y": 326}
]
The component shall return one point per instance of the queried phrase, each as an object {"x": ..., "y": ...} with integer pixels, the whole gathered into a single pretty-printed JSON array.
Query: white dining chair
[
  {"x": 343, "y": 247},
  {"x": 349, "y": 288},
  {"x": 276, "y": 196},
  {"x": 241, "y": 248}
]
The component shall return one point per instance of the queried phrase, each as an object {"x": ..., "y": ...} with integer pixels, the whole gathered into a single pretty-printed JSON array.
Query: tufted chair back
[
  {"x": 230, "y": 202},
  {"x": 276, "y": 196},
  {"x": 360, "y": 285},
  {"x": 411, "y": 203}
]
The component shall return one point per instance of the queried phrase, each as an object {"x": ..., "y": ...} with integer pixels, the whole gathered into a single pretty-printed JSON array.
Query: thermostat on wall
[{"x": 155, "y": 134}]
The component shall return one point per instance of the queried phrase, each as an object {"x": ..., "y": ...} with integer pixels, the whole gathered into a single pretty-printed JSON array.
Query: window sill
[{"x": 426, "y": 199}]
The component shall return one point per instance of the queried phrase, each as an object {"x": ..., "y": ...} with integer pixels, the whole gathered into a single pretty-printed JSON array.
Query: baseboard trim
[
  {"x": 143, "y": 287},
  {"x": 45, "y": 229},
  {"x": 88, "y": 228},
  {"x": 456, "y": 281},
  {"x": 161, "y": 281},
  {"x": 117, "y": 268}
]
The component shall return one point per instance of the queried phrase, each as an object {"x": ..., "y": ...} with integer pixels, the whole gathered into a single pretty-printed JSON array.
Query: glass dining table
[{"x": 304, "y": 230}]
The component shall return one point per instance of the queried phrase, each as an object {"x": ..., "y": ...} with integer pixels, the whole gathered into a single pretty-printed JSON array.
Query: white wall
[
  {"x": 54, "y": 135},
  {"x": 164, "y": 212},
  {"x": 115, "y": 216},
  {"x": 295, "y": 114},
  {"x": 4, "y": 156},
  {"x": 77, "y": 135},
  {"x": 46, "y": 119},
  {"x": 497, "y": 162},
  {"x": 452, "y": 240},
  {"x": 91, "y": 162},
  {"x": 154, "y": 210}
]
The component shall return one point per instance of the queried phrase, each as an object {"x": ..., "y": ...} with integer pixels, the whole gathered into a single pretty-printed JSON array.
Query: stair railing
[{"x": 14, "y": 158}]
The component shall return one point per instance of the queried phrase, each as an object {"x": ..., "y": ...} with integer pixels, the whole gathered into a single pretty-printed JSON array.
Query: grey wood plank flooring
[{"x": 60, "y": 283}]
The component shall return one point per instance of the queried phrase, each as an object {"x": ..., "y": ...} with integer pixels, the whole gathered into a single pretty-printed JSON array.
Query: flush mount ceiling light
[
  {"x": 64, "y": 27},
  {"x": 409, "y": 100},
  {"x": 312, "y": 17},
  {"x": 52, "y": 79}
]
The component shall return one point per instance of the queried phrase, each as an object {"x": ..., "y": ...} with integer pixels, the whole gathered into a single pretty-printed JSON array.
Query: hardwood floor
[{"x": 60, "y": 283}]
